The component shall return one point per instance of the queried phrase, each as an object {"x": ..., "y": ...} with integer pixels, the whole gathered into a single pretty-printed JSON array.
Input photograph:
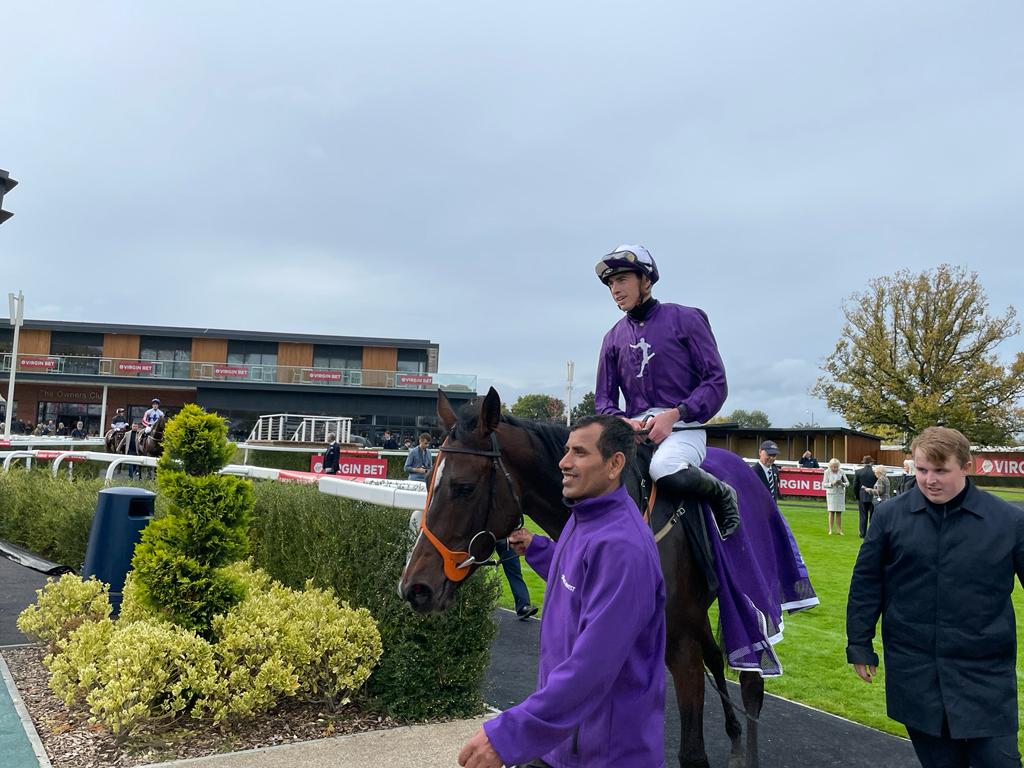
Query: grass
[{"x": 813, "y": 651}]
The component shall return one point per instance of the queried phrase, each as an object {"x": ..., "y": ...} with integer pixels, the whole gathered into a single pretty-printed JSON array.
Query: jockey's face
[{"x": 626, "y": 290}]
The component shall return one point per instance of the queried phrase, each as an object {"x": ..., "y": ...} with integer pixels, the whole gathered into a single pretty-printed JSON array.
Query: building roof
[{"x": 221, "y": 333}]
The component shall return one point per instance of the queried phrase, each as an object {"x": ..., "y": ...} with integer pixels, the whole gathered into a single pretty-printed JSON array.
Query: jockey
[
  {"x": 152, "y": 416},
  {"x": 120, "y": 421},
  {"x": 664, "y": 360}
]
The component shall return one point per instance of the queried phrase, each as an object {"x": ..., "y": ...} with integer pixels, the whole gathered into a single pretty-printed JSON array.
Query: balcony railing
[{"x": 194, "y": 370}]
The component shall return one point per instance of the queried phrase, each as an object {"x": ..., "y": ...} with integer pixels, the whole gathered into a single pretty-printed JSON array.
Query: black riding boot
[{"x": 694, "y": 482}]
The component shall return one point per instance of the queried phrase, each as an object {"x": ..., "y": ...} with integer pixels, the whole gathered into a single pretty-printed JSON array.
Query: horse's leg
[
  {"x": 686, "y": 616},
  {"x": 715, "y": 662},
  {"x": 752, "y": 692}
]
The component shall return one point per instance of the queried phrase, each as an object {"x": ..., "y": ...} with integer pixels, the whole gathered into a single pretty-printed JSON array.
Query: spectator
[
  {"x": 51, "y": 429},
  {"x": 765, "y": 468},
  {"x": 602, "y": 645},
  {"x": 62, "y": 431},
  {"x": 863, "y": 481},
  {"x": 332, "y": 455},
  {"x": 79, "y": 431},
  {"x": 419, "y": 462},
  {"x": 881, "y": 491},
  {"x": 938, "y": 566},
  {"x": 807, "y": 461},
  {"x": 909, "y": 479},
  {"x": 407, "y": 444},
  {"x": 514, "y": 575},
  {"x": 389, "y": 443},
  {"x": 835, "y": 483}
]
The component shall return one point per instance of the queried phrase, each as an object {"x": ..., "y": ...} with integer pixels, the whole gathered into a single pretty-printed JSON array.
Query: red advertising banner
[
  {"x": 49, "y": 455},
  {"x": 134, "y": 366},
  {"x": 797, "y": 481},
  {"x": 321, "y": 375},
  {"x": 5, "y": 443},
  {"x": 232, "y": 371},
  {"x": 46, "y": 363},
  {"x": 415, "y": 379},
  {"x": 353, "y": 466},
  {"x": 999, "y": 464}
]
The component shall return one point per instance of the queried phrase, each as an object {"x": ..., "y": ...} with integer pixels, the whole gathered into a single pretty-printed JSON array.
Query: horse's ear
[
  {"x": 490, "y": 412},
  {"x": 444, "y": 411}
]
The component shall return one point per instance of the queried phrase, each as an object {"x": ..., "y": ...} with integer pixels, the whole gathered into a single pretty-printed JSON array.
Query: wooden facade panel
[
  {"x": 292, "y": 354},
  {"x": 207, "y": 351},
  {"x": 32, "y": 341},
  {"x": 375, "y": 360},
  {"x": 121, "y": 346},
  {"x": 859, "y": 447}
]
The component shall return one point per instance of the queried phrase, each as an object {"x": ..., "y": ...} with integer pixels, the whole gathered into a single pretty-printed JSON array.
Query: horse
[
  {"x": 151, "y": 444},
  {"x": 113, "y": 441},
  {"x": 497, "y": 469}
]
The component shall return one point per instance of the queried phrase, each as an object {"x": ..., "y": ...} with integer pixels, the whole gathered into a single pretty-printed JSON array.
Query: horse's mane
[{"x": 547, "y": 438}]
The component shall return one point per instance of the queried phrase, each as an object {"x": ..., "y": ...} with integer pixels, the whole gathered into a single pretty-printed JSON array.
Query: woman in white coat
[{"x": 834, "y": 482}]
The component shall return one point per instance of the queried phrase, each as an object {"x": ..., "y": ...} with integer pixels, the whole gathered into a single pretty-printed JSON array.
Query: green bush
[
  {"x": 432, "y": 665},
  {"x": 62, "y": 606},
  {"x": 177, "y": 564}
]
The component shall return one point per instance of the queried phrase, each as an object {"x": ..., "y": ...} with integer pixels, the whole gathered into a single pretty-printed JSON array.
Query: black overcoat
[{"x": 942, "y": 584}]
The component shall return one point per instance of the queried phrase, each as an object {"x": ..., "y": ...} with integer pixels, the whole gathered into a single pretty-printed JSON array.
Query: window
[
  {"x": 173, "y": 353},
  {"x": 335, "y": 356},
  {"x": 259, "y": 356},
  {"x": 6, "y": 339},
  {"x": 81, "y": 351},
  {"x": 412, "y": 361}
]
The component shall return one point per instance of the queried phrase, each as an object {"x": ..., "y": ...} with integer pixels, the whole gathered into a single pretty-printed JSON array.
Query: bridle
[{"x": 457, "y": 564}]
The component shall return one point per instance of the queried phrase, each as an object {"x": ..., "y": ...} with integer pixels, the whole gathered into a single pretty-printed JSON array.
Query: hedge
[{"x": 432, "y": 665}]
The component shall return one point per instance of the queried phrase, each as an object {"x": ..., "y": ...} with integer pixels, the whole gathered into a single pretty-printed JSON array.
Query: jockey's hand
[
  {"x": 865, "y": 671},
  {"x": 478, "y": 752},
  {"x": 661, "y": 425},
  {"x": 520, "y": 540},
  {"x": 637, "y": 426}
]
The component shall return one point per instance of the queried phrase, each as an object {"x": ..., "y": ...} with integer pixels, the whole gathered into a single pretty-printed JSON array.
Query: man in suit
[
  {"x": 863, "y": 480},
  {"x": 765, "y": 468},
  {"x": 332, "y": 455}
]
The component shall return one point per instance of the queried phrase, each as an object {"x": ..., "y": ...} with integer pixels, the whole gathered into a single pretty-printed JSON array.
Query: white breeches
[{"x": 679, "y": 450}]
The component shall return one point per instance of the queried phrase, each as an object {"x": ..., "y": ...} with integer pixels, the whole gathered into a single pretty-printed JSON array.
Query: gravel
[{"x": 71, "y": 741}]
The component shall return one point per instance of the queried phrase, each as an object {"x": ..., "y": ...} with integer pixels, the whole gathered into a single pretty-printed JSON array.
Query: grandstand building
[{"x": 68, "y": 372}]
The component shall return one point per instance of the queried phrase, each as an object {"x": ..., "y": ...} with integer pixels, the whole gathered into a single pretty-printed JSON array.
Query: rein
[{"x": 458, "y": 564}]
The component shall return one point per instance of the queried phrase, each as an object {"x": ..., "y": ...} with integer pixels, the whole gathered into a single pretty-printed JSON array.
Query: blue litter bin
[{"x": 121, "y": 514}]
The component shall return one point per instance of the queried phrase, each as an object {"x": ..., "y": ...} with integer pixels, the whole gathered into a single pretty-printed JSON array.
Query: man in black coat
[
  {"x": 765, "y": 468},
  {"x": 938, "y": 566},
  {"x": 863, "y": 479},
  {"x": 332, "y": 455}
]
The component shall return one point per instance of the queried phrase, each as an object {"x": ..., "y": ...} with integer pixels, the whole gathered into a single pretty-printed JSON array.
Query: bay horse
[
  {"x": 113, "y": 441},
  {"x": 493, "y": 470},
  {"x": 151, "y": 444}
]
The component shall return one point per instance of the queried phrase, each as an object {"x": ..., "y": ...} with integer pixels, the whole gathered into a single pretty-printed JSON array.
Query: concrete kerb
[
  {"x": 23, "y": 715},
  {"x": 413, "y": 746}
]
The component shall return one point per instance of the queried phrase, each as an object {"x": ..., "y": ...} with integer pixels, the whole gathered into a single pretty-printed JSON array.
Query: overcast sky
[{"x": 452, "y": 171}]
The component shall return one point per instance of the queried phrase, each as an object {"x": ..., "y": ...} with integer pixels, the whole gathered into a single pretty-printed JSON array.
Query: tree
[
  {"x": 585, "y": 407},
  {"x": 539, "y": 408},
  {"x": 754, "y": 419},
  {"x": 919, "y": 350}
]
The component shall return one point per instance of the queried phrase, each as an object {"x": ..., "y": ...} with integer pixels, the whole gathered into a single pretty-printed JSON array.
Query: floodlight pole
[
  {"x": 17, "y": 304},
  {"x": 570, "y": 368}
]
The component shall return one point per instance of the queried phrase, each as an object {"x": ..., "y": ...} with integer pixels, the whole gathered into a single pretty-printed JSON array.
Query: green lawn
[{"x": 813, "y": 651}]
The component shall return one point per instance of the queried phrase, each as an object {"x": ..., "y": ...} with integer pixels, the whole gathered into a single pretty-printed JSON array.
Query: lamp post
[
  {"x": 570, "y": 368},
  {"x": 17, "y": 305}
]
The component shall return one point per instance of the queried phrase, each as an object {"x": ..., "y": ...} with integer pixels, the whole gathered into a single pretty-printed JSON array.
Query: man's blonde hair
[{"x": 938, "y": 444}]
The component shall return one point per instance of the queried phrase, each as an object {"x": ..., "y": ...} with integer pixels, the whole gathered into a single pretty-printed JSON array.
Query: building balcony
[{"x": 197, "y": 372}]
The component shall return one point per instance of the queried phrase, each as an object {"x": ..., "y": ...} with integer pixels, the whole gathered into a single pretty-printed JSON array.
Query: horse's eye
[{"x": 462, "y": 490}]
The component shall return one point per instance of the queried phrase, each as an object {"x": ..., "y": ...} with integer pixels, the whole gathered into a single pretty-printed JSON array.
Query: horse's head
[{"x": 472, "y": 501}]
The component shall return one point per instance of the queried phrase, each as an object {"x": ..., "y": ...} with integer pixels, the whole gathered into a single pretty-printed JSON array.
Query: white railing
[{"x": 300, "y": 428}]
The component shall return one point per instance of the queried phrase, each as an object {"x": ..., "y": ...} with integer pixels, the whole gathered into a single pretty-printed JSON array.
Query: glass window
[
  {"x": 173, "y": 353},
  {"x": 260, "y": 356},
  {"x": 412, "y": 361},
  {"x": 6, "y": 339},
  {"x": 81, "y": 351},
  {"x": 337, "y": 356}
]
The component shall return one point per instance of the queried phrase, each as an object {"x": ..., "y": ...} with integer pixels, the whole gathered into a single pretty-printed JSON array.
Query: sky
[{"x": 453, "y": 171}]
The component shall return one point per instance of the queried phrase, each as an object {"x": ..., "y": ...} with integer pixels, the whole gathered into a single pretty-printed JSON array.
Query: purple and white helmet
[{"x": 627, "y": 258}]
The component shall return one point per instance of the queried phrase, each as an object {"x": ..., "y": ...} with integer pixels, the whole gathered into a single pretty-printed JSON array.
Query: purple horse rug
[{"x": 760, "y": 571}]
